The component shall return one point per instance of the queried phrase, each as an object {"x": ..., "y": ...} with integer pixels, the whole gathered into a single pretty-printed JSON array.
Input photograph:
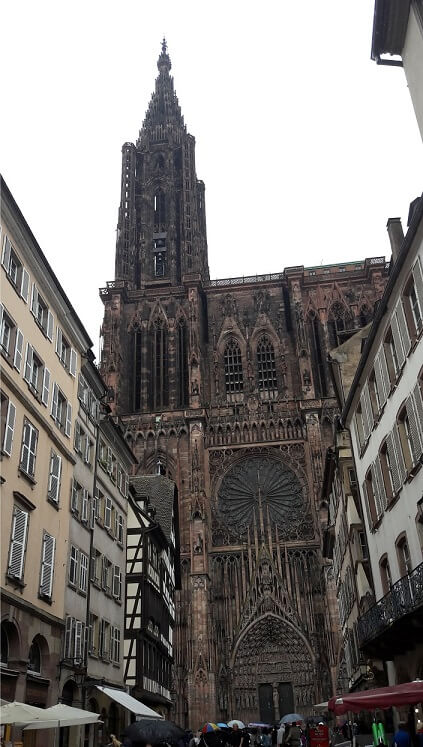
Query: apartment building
[
  {"x": 384, "y": 412},
  {"x": 42, "y": 344}
]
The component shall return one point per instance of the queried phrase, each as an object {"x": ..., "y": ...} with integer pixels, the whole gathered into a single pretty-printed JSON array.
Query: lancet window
[
  {"x": 159, "y": 211},
  {"x": 266, "y": 365},
  {"x": 234, "y": 381},
  {"x": 317, "y": 356},
  {"x": 339, "y": 321},
  {"x": 182, "y": 358},
  {"x": 160, "y": 373},
  {"x": 137, "y": 370}
]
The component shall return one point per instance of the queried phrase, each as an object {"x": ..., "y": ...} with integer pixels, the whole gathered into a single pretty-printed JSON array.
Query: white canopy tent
[
  {"x": 63, "y": 715},
  {"x": 127, "y": 701},
  {"x": 20, "y": 713}
]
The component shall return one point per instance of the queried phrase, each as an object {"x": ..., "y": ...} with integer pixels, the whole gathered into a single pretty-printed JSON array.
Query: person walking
[
  {"x": 401, "y": 737},
  {"x": 294, "y": 736}
]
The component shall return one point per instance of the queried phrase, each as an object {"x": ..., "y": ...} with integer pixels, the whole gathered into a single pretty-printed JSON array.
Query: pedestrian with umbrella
[{"x": 151, "y": 732}]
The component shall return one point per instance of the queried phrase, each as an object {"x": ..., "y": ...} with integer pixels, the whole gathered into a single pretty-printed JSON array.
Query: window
[
  {"x": 47, "y": 565},
  {"x": 54, "y": 477},
  {"x": 8, "y": 417},
  {"x": 396, "y": 460},
  {"x": 401, "y": 342},
  {"x": 339, "y": 322},
  {"x": 414, "y": 300},
  {"x": 414, "y": 424},
  {"x": 61, "y": 411},
  {"x": 34, "y": 658},
  {"x": 83, "y": 572},
  {"x": 67, "y": 355},
  {"x": 234, "y": 381},
  {"x": 385, "y": 574},
  {"x": 374, "y": 395},
  {"x": 182, "y": 378},
  {"x": 106, "y": 580},
  {"x": 386, "y": 466},
  {"x": 41, "y": 313},
  {"x": 93, "y": 635},
  {"x": 159, "y": 211},
  {"x": 11, "y": 339},
  {"x": 159, "y": 264},
  {"x": 15, "y": 270},
  {"x": 115, "y": 645},
  {"x": 104, "y": 642},
  {"x": 83, "y": 444},
  {"x": 405, "y": 438},
  {"x": 73, "y": 565},
  {"x": 76, "y": 496},
  {"x": 404, "y": 559},
  {"x": 160, "y": 385},
  {"x": 108, "y": 513},
  {"x": 366, "y": 411},
  {"x": 316, "y": 337},
  {"x": 391, "y": 357},
  {"x": 383, "y": 380},
  {"x": 95, "y": 566},
  {"x": 36, "y": 375},
  {"x": 18, "y": 543},
  {"x": 74, "y": 639},
  {"x": 117, "y": 582},
  {"x": 29, "y": 449},
  {"x": 87, "y": 398},
  {"x": 119, "y": 528},
  {"x": 266, "y": 366}
]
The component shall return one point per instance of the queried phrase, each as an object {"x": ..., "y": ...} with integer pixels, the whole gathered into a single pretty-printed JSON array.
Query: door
[
  {"x": 267, "y": 712},
  {"x": 286, "y": 698}
]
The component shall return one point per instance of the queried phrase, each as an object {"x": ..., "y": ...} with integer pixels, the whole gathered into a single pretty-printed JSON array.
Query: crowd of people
[{"x": 290, "y": 735}]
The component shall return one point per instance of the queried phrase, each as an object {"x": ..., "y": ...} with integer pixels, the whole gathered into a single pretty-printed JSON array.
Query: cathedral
[{"x": 223, "y": 385}]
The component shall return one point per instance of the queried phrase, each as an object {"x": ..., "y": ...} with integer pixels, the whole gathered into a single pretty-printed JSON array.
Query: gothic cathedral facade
[{"x": 224, "y": 384}]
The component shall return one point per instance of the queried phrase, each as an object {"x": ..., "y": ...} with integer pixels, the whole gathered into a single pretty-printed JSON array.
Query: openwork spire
[{"x": 163, "y": 119}]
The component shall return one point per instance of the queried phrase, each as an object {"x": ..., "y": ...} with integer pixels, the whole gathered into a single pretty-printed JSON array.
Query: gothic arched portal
[{"x": 271, "y": 656}]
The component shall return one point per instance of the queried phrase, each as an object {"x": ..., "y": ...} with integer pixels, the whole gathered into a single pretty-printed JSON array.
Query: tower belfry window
[
  {"x": 159, "y": 383},
  {"x": 234, "y": 381},
  {"x": 266, "y": 365},
  {"x": 182, "y": 379},
  {"x": 159, "y": 211}
]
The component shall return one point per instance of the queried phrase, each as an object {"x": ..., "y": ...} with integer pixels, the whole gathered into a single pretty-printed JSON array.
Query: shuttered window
[
  {"x": 17, "y": 358},
  {"x": 55, "y": 473},
  {"x": 83, "y": 572},
  {"x": 108, "y": 513},
  {"x": 46, "y": 387},
  {"x": 396, "y": 460},
  {"x": 73, "y": 565},
  {"x": 69, "y": 637},
  {"x": 47, "y": 565},
  {"x": 29, "y": 448},
  {"x": 415, "y": 426},
  {"x": 382, "y": 377},
  {"x": 401, "y": 336},
  {"x": 117, "y": 582},
  {"x": 380, "y": 492},
  {"x": 416, "y": 298},
  {"x": 79, "y": 640},
  {"x": 84, "y": 505},
  {"x": 18, "y": 543},
  {"x": 9, "y": 428},
  {"x": 369, "y": 501},
  {"x": 366, "y": 410}
]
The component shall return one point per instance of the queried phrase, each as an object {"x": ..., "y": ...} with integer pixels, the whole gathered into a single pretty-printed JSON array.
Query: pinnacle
[{"x": 163, "y": 63}]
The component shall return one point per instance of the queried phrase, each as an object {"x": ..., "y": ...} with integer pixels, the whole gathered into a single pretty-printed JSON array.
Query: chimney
[{"x": 396, "y": 236}]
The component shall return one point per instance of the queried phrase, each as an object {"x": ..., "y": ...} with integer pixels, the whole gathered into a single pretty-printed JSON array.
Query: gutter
[{"x": 381, "y": 309}]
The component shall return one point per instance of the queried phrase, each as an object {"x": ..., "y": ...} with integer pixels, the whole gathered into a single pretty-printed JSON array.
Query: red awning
[{"x": 409, "y": 693}]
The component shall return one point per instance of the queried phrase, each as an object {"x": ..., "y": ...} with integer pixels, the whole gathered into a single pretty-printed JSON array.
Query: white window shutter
[
  {"x": 402, "y": 322},
  {"x": 46, "y": 387},
  {"x": 5, "y": 255},
  {"x": 393, "y": 463},
  {"x": 380, "y": 486},
  {"x": 402, "y": 472},
  {"x": 25, "y": 284},
  {"x": 92, "y": 512},
  {"x": 18, "y": 543},
  {"x": 365, "y": 412},
  {"x": 74, "y": 496},
  {"x": 418, "y": 283},
  {"x": 68, "y": 423},
  {"x": 55, "y": 401},
  {"x": 28, "y": 362},
  {"x": 415, "y": 429},
  {"x": 50, "y": 325},
  {"x": 17, "y": 359},
  {"x": 396, "y": 334},
  {"x": 58, "y": 341},
  {"x": 69, "y": 629},
  {"x": 84, "y": 506},
  {"x": 381, "y": 370},
  {"x": 9, "y": 429},
  {"x": 54, "y": 477},
  {"x": 83, "y": 572},
  {"x": 34, "y": 299},
  {"x": 78, "y": 639},
  {"x": 72, "y": 362},
  {"x": 47, "y": 565}
]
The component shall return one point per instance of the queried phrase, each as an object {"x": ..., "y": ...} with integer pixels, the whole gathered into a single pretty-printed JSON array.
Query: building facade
[
  {"x": 398, "y": 33},
  {"x": 226, "y": 383},
  {"x": 384, "y": 411},
  {"x": 152, "y": 576},
  {"x": 42, "y": 344}
]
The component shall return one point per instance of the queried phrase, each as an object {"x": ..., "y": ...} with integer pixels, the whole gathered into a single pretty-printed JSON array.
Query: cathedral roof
[
  {"x": 160, "y": 492},
  {"x": 163, "y": 108}
]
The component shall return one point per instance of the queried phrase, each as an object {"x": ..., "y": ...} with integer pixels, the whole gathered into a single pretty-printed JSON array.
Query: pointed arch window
[
  {"x": 266, "y": 365},
  {"x": 182, "y": 358},
  {"x": 159, "y": 210},
  {"x": 317, "y": 356},
  {"x": 160, "y": 373},
  {"x": 339, "y": 322},
  {"x": 234, "y": 380}
]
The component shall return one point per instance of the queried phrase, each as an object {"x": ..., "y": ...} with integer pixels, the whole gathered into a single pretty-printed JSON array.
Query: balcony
[{"x": 395, "y": 623}]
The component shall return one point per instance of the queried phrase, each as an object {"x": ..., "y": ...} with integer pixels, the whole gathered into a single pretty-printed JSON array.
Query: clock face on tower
[{"x": 259, "y": 485}]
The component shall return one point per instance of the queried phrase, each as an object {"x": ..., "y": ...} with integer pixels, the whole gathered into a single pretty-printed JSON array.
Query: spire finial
[{"x": 163, "y": 63}]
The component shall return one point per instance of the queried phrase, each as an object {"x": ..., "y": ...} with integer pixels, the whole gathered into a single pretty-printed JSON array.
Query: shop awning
[
  {"x": 409, "y": 693},
  {"x": 128, "y": 702}
]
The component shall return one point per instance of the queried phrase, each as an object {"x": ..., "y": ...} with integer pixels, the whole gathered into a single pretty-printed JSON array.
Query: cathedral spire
[
  {"x": 163, "y": 63},
  {"x": 164, "y": 115}
]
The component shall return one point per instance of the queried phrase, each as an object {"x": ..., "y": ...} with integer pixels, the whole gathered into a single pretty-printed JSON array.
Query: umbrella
[
  {"x": 20, "y": 713},
  {"x": 234, "y": 721},
  {"x": 153, "y": 731},
  {"x": 291, "y": 717},
  {"x": 207, "y": 728},
  {"x": 258, "y": 725},
  {"x": 221, "y": 725},
  {"x": 63, "y": 715}
]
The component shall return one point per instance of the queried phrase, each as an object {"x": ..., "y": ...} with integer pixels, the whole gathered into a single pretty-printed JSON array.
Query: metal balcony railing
[{"x": 405, "y": 596}]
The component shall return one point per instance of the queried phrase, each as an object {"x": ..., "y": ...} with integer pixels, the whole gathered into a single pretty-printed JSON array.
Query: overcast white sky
[{"x": 306, "y": 147}]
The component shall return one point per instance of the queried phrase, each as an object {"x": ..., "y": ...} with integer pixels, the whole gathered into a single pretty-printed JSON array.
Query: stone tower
[{"x": 224, "y": 385}]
